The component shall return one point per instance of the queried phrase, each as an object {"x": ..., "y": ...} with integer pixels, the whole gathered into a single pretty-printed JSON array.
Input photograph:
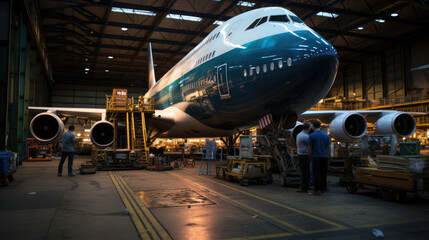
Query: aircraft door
[{"x": 222, "y": 81}]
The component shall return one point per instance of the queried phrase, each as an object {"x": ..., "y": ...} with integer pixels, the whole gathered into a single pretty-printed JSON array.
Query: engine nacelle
[
  {"x": 102, "y": 134},
  {"x": 348, "y": 127},
  {"x": 296, "y": 130},
  {"x": 46, "y": 127},
  {"x": 399, "y": 123}
]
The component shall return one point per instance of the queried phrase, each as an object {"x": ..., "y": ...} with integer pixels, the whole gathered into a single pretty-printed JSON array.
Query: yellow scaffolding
[{"x": 133, "y": 112}]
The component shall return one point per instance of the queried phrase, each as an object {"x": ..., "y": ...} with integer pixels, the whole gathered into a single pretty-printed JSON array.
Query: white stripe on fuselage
[{"x": 227, "y": 42}]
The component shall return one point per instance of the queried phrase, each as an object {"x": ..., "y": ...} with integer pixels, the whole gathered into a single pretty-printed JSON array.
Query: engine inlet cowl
[
  {"x": 102, "y": 134},
  {"x": 348, "y": 127},
  {"x": 399, "y": 123},
  {"x": 46, "y": 127}
]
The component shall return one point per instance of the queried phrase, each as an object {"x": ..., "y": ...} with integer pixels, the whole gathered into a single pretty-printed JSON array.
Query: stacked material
[{"x": 411, "y": 163}]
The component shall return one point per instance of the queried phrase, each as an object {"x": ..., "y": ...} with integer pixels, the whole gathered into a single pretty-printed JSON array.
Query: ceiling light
[
  {"x": 86, "y": 59},
  {"x": 360, "y": 28},
  {"x": 218, "y": 22},
  {"x": 86, "y": 69},
  {"x": 110, "y": 57},
  {"x": 133, "y": 11},
  {"x": 327, "y": 14},
  {"x": 245, "y": 4},
  {"x": 394, "y": 14},
  {"x": 184, "y": 17},
  {"x": 124, "y": 29},
  {"x": 87, "y": 130},
  {"x": 380, "y": 20},
  {"x": 107, "y": 70}
]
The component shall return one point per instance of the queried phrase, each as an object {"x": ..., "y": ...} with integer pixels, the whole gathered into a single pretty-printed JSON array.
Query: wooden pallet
[
  {"x": 387, "y": 178},
  {"x": 404, "y": 163}
]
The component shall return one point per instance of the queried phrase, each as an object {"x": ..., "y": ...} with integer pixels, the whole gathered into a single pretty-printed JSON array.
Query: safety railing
[{"x": 121, "y": 103}]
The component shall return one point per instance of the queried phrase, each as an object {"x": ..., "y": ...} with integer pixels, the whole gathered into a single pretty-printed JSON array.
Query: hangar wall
[
  {"x": 24, "y": 80},
  {"x": 85, "y": 96},
  {"x": 391, "y": 74}
]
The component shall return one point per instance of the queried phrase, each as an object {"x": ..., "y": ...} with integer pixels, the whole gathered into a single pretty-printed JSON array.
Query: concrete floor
[{"x": 183, "y": 205}]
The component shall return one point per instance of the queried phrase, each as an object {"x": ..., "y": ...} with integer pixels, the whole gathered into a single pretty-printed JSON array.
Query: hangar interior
[{"x": 73, "y": 53}]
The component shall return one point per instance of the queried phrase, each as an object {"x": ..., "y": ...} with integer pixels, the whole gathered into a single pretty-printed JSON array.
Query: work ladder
[{"x": 137, "y": 132}]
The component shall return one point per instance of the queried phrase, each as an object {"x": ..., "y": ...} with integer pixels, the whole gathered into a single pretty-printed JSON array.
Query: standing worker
[
  {"x": 318, "y": 143},
  {"x": 67, "y": 151},
  {"x": 304, "y": 159}
]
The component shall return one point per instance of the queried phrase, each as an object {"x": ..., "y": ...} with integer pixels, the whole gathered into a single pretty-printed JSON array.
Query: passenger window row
[
  {"x": 257, "y": 69},
  {"x": 209, "y": 55},
  {"x": 274, "y": 18},
  {"x": 205, "y": 58}
]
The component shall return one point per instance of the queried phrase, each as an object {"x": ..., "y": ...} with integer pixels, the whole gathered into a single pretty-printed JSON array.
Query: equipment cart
[{"x": 251, "y": 164}]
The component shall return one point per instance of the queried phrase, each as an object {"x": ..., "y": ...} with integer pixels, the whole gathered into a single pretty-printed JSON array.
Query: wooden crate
[{"x": 387, "y": 178}]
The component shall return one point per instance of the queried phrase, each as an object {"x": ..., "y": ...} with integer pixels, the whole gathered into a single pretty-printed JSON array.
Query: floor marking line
[
  {"x": 143, "y": 232},
  {"x": 277, "y": 235},
  {"x": 281, "y": 205},
  {"x": 163, "y": 234},
  {"x": 284, "y": 223},
  {"x": 145, "y": 220}
]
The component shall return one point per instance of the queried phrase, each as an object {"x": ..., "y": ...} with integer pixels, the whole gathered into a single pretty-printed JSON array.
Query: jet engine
[
  {"x": 46, "y": 127},
  {"x": 399, "y": 123},
  {"x": 296, "y": 130},
  {"x": 348, "y": 127},
  {"x": 102, "y": 134}
]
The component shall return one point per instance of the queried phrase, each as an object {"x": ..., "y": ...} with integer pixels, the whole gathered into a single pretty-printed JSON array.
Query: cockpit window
[
  {"x": 279, "y": 18},
  {"x": 295, "y": 19},
  {"x": 264, "y": 19},
  {"x": 253, "y": 24}
]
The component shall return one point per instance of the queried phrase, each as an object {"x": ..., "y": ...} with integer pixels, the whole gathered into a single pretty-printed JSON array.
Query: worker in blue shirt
[
  {"x": 318, "y": 143},
  {"x": 68, "y": 139}
]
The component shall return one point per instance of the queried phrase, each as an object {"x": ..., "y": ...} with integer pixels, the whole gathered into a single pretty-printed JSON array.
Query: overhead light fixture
[
  {"x": 394, "y": 14},
  {"x": 184, "y": 17},
  {"x": 124, "y": 29},
  {"x": 87, "y": 130},
  {"x": 360, "y": 28},
  {"x": 86, "y": 69},
  {"x": 380, "y": 20},
  {"x": 245, "y": 4},
  {"x": 327, "y": 14},
  {"x": 110, "y": 57},
  {"x": 107, "y": 70},
  {"x": 86, "y": 59},
  {"x": 218, "y": 22},
  {"x": 133, "y": 11}
]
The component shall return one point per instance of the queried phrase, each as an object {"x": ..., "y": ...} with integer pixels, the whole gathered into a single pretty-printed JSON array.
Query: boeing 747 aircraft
[{"x": 264, "y": 61}]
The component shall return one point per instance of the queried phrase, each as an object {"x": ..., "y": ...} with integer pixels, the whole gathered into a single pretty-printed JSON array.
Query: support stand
[{"x": 210, "y": 154}]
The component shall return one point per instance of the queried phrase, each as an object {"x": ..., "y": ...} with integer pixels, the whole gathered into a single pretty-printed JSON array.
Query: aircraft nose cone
[{"x": 319, "y": 67}]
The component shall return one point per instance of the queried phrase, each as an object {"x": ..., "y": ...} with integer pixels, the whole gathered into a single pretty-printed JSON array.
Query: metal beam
[
  {"x": 103, "y": 27},
  {"x": 223, "y": 13}
]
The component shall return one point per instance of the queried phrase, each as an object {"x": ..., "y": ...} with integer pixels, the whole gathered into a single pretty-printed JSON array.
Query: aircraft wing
[
  {"x": 347, "y": 125},
  {"x": 81, "y": 113},
  {"x": 327, "y": 116}
]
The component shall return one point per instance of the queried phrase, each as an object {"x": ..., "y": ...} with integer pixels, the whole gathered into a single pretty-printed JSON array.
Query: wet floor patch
[{"x": 173, "y": 198}]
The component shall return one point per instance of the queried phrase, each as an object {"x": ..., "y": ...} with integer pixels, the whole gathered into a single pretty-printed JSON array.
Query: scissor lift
[{"x": 133, "y": 113}]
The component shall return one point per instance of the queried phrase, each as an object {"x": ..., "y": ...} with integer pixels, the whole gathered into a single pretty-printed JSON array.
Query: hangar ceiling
[{"x": 105, "y": 42}]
